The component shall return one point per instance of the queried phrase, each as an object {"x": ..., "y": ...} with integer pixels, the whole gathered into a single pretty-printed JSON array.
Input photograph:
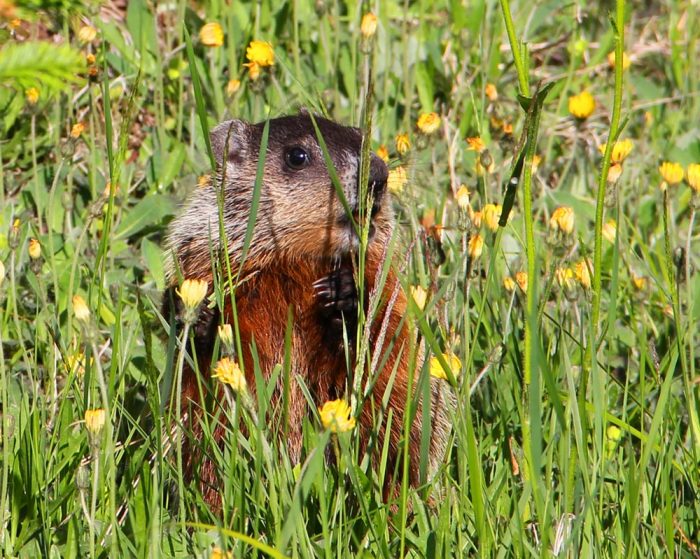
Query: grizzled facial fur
[{"x": 300, "y": 213}]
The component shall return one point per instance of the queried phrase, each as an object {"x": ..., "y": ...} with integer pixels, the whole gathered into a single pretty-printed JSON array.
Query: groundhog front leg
[{"x": 337, "y": 299}]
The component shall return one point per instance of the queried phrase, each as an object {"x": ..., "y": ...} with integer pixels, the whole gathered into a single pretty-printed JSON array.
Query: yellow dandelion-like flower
[
  {"x": 463, "y": 198},
  {"x": 475, "y": 246},
  {"x": 562, "y": 220},
  {"x": 90, "y": 58},
  {"x": 626, "y": 62},
  {"x": 32, "y": 95},
  {"x": 536, "y": 160},
  {"x": 225, "y": 332},
  {"x": 211, "y": 35},
  {"x": 397, "y": 180},
  {"x": 232, "y": 87},
  {"x": 428, "y": 123},
  {"x": 34, "y": 249},
  {"x": 610, "y": 231},
  {"x": 437, "y": 370},
  {"x": 14, "y": 24},
  {"x": 254, "y": 70},
  {"x": 260, "y": 52},
  {"x": 582, "y": 273},
  {"x": 80, "y": 309},
  {"x": 491, "y": 215},
  {"x": 508, "y": 284},
  {"x": 614, "y": 173},
  {"x": 620, "y": 150},
  {"x": 383, "y": 153},
  {"x": 95, "y": 420},
  {"x": 639, "y": 282},
  {"x": 192, "y": 292},
  {"x": 475, "y": 217},
  {"x": 508, "y": 128},
  {"x": 337, "y": 416},
  {"x": 77, "y": 130},
  {"x": 491, "y": 92},
  {"x": 368, "y": 26},
  {"x": 218, "y": 553},
  {"x": 476, "y": 144},
  {"x": 87, "y": 34},
  {"x": 672, "y": 173},
  {"x": 693, "y": 175},
  {"x": 229, "y": 373},
  {"x": 582, "y": 105},
  {"x": 564, "y": 277},
  {"x": 521, "y": 280},
  {"x": 419, "y": 295},
  {"x": 403, "y": 144}
]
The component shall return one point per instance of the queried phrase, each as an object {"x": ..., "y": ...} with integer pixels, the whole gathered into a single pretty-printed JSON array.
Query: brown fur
[{"x": 299, "y": 237}]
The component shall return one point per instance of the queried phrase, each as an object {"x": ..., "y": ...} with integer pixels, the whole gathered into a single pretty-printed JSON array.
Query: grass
[{"x": 577, "y": 428}]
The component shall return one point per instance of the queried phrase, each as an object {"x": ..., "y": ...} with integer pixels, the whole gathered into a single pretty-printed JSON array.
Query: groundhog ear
[{"x": 228, "y": 139}]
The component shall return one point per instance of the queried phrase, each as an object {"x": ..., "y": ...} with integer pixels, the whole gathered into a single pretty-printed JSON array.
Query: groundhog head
[{"x": 300, "y": 214}]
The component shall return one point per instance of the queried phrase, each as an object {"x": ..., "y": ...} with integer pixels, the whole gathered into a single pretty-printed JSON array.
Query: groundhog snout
[{"x": 378, "y": 174}]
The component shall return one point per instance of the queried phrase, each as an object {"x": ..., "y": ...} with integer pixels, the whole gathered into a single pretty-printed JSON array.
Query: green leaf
[
  {"x": 148, "y": 211},
  {"x": 36, "y": 63}
]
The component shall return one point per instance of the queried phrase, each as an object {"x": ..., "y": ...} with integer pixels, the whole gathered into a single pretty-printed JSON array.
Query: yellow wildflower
[
  {"x": 475, "y": 246},
  {"x": 14, "y": 23},
  {"x": 614, "y": 173},
  {"x": 419, "y": 295},
  {"x": 383, "y": 153},
  {"x": 639, "y": 282},
  {"x": 536, "y": 160},
  {"x": 521, "y": 280},
  {"x": 476, "y": 144},
  {"x": 77, "y": 129},
  {"x": 438, "y": 371},
  {"x": 582, "y": 274},
  {"x": 508, "y": 128},
  {"x": 672, "y": 173},
  {"x": 620, "y": 150},
  {"x": 260, "y": 52},
  {"x": 337, "y": 416},
  {"x": 475, "y": 217},
  {"x": 582, "y": 105},
  {"x": 90, "y": 58},
  {"x": 225, "y": 332},
  {"x": 228, "y": 372},
  {"x": 211, "y": 35},
  {"x": 610, "y": 231},
  {"x": 80, "y": 309},
  {"x": 463, "y": 198},
  {"x": 491, "y": 214},
  {"x": 368, "y": 27},
  {"x": 508, "y": 284},
  {"x": 254, "y": 70},
  {"x": 192, "y": 292},
  {"x": 562, "y": 220},
  {"x": 491, "y": 92},
  {"x": 694, "y": 177},
  {"x": 232, "y": 86},
  {"x": 626, "y": 62},
  {"x": 428, "y": 123},
  {"x": 95, "y": 420},
  {"x": 87, "y": 34},
  {"x": 34, "y": 249},
  {"x": 397, "y": 180},
  {"x": 32, "y": 95},
  {"x": 564, "y": 277},
  {"x": 403, "y": 144}
]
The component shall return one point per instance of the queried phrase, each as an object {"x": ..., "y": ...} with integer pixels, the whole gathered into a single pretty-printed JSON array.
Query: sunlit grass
[{"x": 560, "y": 307}]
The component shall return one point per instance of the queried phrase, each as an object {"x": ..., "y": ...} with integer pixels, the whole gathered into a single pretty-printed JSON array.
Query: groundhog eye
[{"x": 297, "y": 158}]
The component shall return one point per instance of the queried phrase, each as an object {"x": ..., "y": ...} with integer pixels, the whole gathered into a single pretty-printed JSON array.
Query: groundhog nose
[{"x": 378, "y": 174}]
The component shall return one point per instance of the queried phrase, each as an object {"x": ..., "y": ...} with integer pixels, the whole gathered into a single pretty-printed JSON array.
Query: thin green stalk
[
  {"x": 515, "y": 48},
  {"x": 603, "y": 179}
]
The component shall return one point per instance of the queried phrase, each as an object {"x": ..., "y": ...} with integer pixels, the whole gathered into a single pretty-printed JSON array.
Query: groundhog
[{"x": 300, "y": 260}]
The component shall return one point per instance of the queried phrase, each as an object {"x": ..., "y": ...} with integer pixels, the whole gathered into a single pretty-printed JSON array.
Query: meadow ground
[{"x": 571, "y": 332}]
